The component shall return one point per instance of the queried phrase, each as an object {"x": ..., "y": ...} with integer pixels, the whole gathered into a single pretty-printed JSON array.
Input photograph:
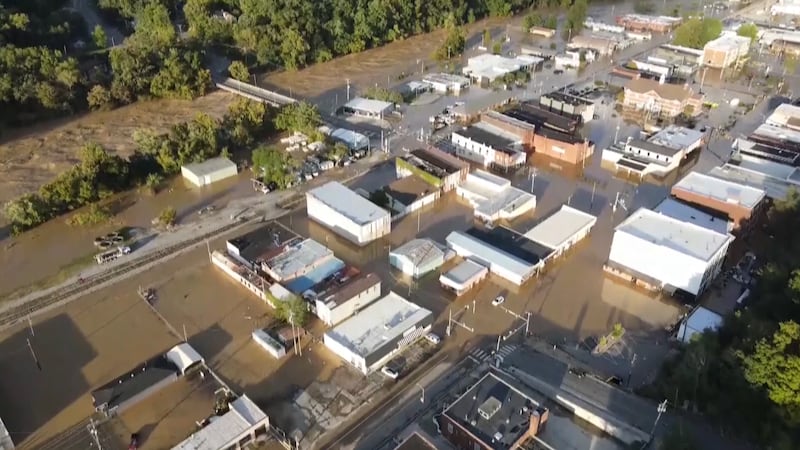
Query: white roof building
[
  {"x": 667, "y": 253},
  {"x": 494, "y": 198},
  {"x": 698, "y": 321},
  {"x": 370, "y": 338},
  {"x": 774, "y": 188},
  {"x": 462, "y": 277},
  {"x": 678, "y": 138},
  {"x": 209, "y": 171},
  {"x": 489, "y": 67},
  {"x": 685, "y": 213},
  {"x": 184, "y": 357},
  {"x": 786, "y": 115},
  {"x": 347, "y": 213},
  {"x": 563, "y": 229},
  {"x": 499, "y": 262},
  {"x": 417, "y": 257},
  {"x": 369, "y": 107},
  {"x": 720, "y": 189},
  {"x": 242, "y": 423}
]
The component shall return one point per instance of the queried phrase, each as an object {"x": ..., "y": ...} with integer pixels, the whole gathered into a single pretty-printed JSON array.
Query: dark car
[
  {"x": 580, "y": 373},
  {"x": 558, "y": 72}
]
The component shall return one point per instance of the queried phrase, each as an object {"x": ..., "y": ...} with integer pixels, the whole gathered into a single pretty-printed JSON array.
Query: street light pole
[{"x": 422, "y": 388}]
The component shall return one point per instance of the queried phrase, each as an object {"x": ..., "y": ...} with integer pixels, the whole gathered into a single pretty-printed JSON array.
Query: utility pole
[
  {"x": 630, "y": 370},
  {"x": 497, "y": 350},
  {"x": 30, "y": 325},
  {"x": 533, "y": 178},
  {"x": 185, "y": 338},
  {"x": 294, "y": 335},
  {"x": 422, "y": 398},
  {"x": 527, "y": 323},
  {"x": 662, "y": 408},
  {"x": 616, "y": 135},
  {"x": 591, "y": 203},
  {"x": 347, "y": 80},
  {"x": 35, "y": 359}
]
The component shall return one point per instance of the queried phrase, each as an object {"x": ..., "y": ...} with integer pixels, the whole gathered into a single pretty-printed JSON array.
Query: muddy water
[{"x": 56, "y": 246}]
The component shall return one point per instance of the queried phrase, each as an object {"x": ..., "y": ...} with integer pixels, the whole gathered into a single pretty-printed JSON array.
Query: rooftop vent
[{"x": 489, "y": 408}]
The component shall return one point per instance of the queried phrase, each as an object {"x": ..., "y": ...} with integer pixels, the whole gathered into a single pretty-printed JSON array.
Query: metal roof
[
  {"x": 560, "y": 227},
  {"x": 682, "y": 237},
  {"x": 378, "y": 324},
  {"x": 464, "y": 271},
  {"x": 720, "y": 190},
  {"x": 210, "y": 166},
  {"x": 347, "y": 203},
  {"x": 489, "y": 253},
  {"x": 685, "y": 213},
  {"x": 296, "y": 257},
  {"x": 225, "y": 429},
  {"x": 419, "y": 252},
  {"x": 774, "y": 188},
  {"x": 676, "y": 137},
  {"x": 369, "y": 105}
]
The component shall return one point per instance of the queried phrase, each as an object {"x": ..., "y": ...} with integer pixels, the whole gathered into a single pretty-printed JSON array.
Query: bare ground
[{"x": 33, "y": 156}]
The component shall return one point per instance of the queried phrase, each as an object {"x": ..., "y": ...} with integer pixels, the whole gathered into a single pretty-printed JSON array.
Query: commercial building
[
  {"x": 447, "y": 83},
  {"x": 603, "y": 45},
  {"x": 542, "y": 31},
  {"x": 562, "y": 230},
  {"x": 654, "y": 24},
  {"x": 209, "y": 171},
  {"x": 418, "y": 257},
  {"x": 506, "y": 253},
  {"x": 493, "y": 198},
  {"x": 739, "y": 203},
  {"x": 535, "y": 114},
  {"x": 486, "y": 68},
  {"x": 145, "y": 380},
  {"x": 568, "y": 105},
  {"x": 685, "y": 212},
  {"x": 436, "y": 167},
  {"x": 766, "y": 148},
  {"x": 464, "y": 276},
  {"x": 495, "y": 413},
  {"x": 658, "y": 99},
  {"x": 409, "y": 194},
  {"x": 240, "y": 426},
  {"x": 369, "y": 339},
  {"x": 570, "y": 148},
  {"x": 594, "y": 25},
  {"x": 347, "y": 213},
  {"x": 662, "y": 253},
  {"x": 785, "y": 8},
  {"x": 781, "y": 41},
  {"x": 367, "y": 107},
  {"x": 697, "y": 322},
  {"x": 295, "y": 258},
  {"x": 660, "y": 154},
  {"x": 339, "y": 297},
  {"x": 725, "y": 51},
  {"x": 774, "y": 188},
  {"x": 488, "y": 146},
  {"x": 773, "y": 169},
  {"x": 783, "y": 138},
  {"x": 255, "y": 246},
  {"x": 570, "y": 59}
]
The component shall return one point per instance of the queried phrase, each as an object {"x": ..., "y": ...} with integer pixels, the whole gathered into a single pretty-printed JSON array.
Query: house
[
  {"x": 417, "y": 257},
  {"x": 489, "y": 146},
  {"x": 659, "y": 99},
  {"x": 725, "y": 51},
  {"x": 209, "y": 171},
  {"x": 348, "y": 214},
  {"x": 436, "y": 167},
  {"x": 410, "y": 194},
  {"x": 739, "y": 203}
]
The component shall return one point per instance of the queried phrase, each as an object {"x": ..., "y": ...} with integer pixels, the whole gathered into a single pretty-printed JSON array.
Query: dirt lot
[{"x": 33, "y": 156}]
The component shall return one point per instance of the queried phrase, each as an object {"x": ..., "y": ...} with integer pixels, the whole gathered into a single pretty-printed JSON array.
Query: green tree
[
  {"x": 551, "y": 22},
  {"x": 775, "y": 365},
  {"x": 697, "y": 32},
  {"x": 676, "y": 439},
  {"x": 99, "y": 37},
  {"x": 293, "y": 310},
  {"x": 338, "y": 152},
  {"x": 272, "y": 165},
  {"x": 486, "y": 38},
  {"x": 453, "y": 44},
  {"x": 383, "y": 94},
  {"x": 154, "y": 29},
  {"x": 532, "y": 20},
  {"x": 167, "y": 217},
  {"x": 26, "y": 212},
  {"x": 238, "y": 71},
  {"x": 497, "y": 48},
  {"x": 576, "y": 15},
  {"x": 749, "y": 30},
  {"x": 99, "y": 98},
  {"x": 300, "y": 116},
  {"x": 246, "y": 122}
]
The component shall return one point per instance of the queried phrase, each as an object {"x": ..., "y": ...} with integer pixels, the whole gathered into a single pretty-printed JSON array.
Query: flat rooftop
[
  {"x": 569, "y": 138},
  {"x": 408, "y": 190},
  {"x": 438, "y": 159},
  {"x": 420, "y": 251},
  {"x": 513, "y": 243},
  {"x": 777, "y": 133},
  {"x": 774, "y": 188},
  {"x": 296, "y": 256},
  {"x": 378, "y": 324},
  {"x": 324, "y": 269},
  {"x": 727, "y": 42},
  {"x": 464, "y": 271},
  {"x": 540, "y": 117},
  {"x": 495, "y": 407},
  {"x": 769, "y": 168},
  {"x": 767, "y": 149},
  {"x": 686, "y": 213},
  {"x": 567, "y": 98},
  {"x": 368, "y": 105},
  {"x": 784, "y": 115},
  {"x": 347, "y": 203},
  {"x": 446, "y": 78},
  {"x": 720, "y": 190},
  {"x": 560, "y": 227},
  {"x": 210, "y": 166},
  {"x": 134, "y": 382},
  {"x": 220, "y": 433},
  {"x": 487, "y": 252},
  {"x": 653, "y": 147},
  {"x": 682, "y": 237},
  {"x": 676, "y": 137},
  {"x": 490, "y": 202},
  {"x": 486, "y": 137},
  {"x": 345, "y": 289},
  {"x": 259, "y": 243}
]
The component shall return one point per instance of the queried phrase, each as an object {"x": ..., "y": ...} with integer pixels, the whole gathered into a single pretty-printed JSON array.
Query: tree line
[
  {"x": 746, "y": 376},
  {"x": 101, "y": 174}
]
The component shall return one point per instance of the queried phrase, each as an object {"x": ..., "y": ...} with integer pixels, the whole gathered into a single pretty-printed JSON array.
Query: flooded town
[{"x": 497, "y": 230}]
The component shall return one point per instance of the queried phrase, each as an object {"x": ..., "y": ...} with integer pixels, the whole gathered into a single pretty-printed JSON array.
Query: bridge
[{"x": 254, "y": 92}]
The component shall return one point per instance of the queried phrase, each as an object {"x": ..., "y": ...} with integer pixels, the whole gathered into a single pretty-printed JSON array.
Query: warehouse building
[
  {"x": 369, "y": 339},
  {"x": 342, "y": 295},
  {"x": 209, "y": 171},
  {"x": 238, "y": 428},
  {"x": 493, "y": 198},
  {"x": 347, "y": 214},
  {"x": 436, "y": 167},
  {"x": 417, "y": 257},
  {"x": 739, "y": 203},
  {"x": 562, "y": 230},
  {"x": 145, "y": 380},
  {"x": 463, "y": 277},
  {"x": 505, "y": 252},
  {"x": 366, "y": 107},
  {"x": 662, "y": 253},
  {"x": 774, "y": 188}
]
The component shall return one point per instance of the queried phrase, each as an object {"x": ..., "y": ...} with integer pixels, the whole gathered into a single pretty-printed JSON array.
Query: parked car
[
  {"x": 389, "y": 372},
  {"x": 498, "y": 300},
  {"x": 433, "y": 338},
  {"x": 580, "y": 373}
]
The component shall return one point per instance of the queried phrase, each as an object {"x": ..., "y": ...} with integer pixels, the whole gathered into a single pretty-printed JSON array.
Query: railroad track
[{"x": 21, "y": 312}]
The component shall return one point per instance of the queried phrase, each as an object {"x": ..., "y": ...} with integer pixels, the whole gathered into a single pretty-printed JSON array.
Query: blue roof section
[{"x": 309, "y": 280}]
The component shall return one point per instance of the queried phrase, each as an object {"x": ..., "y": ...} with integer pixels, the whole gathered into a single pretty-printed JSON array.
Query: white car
[
  {"x": 433, "y": 339},
  {"x": 391, "y": 373},
  {"x": 498, "y": 300}
]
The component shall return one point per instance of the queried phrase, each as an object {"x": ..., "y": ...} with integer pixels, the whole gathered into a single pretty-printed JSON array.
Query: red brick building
[{"x": 742, "y": 205}]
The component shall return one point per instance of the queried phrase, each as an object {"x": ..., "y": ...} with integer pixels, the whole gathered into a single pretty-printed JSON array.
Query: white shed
[
  {"x": 209, "y": 171},
  {"x": 184, "y": 357}
]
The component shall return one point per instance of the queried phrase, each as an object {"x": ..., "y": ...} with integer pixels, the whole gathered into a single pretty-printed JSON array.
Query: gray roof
[
  {"x": 683, "y": 237},
  {"x": 560, "y": 227},
  {"x": 774, "y": 188},
  {"x": 685, "y": 213},
  {"x": 464, "y": 271},
  {"x": 653, "y": 147},
  {"x": 210, "y": 166},
  {"x": 494, "y": 256},
  {"x": 223, "y": 431},
  {"x": 378, "y": 324},
  {"x": 347, "y": 203},
  {"x": 297, "y": 256},
  {"x": 368, "y": 105},
  {"x": 720, "y": 190},
  {"x": 676, "y": 137},
  {"x": 420, "y": 252}
]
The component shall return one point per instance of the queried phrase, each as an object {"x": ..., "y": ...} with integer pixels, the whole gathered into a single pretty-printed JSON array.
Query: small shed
[
  {"x": 417, "y": 257},
  {"x": 209, "y": 171},
  {"x": 269, "y": 343},
  {"x": 184, "y": 357}
]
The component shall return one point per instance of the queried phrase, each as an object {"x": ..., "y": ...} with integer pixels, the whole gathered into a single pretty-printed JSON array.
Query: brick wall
[
  {"x": 741, "y": 216},
  {"x": 570, "y": 153}
]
